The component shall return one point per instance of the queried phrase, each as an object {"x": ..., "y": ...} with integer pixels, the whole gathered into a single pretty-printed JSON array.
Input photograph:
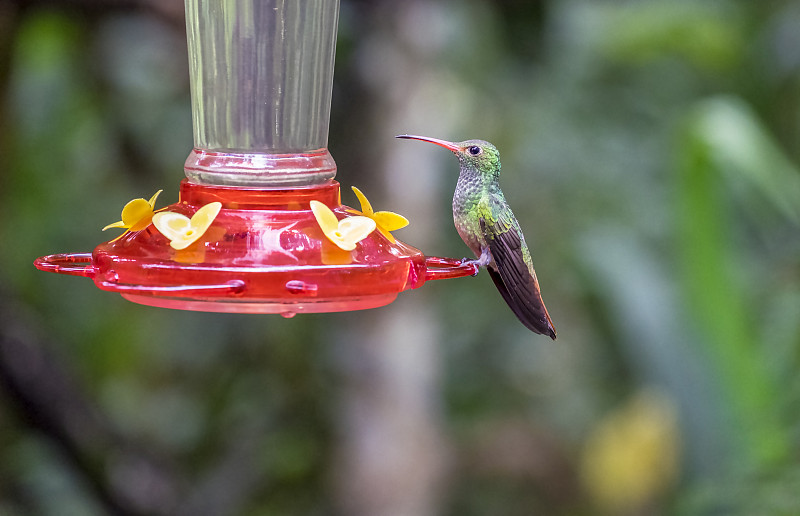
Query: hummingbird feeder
[{"x": 259, "y": 226}]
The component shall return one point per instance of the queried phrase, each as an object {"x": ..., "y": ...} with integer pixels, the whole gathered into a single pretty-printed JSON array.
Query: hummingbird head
[{"x": 478, "y": 155}]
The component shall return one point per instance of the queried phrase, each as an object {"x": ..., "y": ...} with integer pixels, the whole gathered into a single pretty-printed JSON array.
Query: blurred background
[{"x": 650, "y": 152}]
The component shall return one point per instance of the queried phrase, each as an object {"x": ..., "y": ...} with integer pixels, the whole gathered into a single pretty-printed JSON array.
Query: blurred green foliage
[{"x": 649, "y": 150}]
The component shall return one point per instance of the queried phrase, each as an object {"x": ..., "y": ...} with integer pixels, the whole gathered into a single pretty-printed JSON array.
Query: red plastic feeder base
[{"x": 263, "y": 253}]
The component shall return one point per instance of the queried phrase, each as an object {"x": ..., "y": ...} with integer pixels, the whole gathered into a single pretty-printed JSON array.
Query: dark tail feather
[{"x": 526, "y": 303}]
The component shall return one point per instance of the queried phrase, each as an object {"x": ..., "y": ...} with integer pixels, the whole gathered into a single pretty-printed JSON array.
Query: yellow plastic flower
[
  {"x": 136, "y": 215},
  {"x": 345, "y": 233},
  {"x": 183, "y": 231},
  {"x": 386, "y": 221}
]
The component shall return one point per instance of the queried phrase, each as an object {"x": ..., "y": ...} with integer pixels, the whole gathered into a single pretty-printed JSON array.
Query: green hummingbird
[{"x": 485, "y": 222}]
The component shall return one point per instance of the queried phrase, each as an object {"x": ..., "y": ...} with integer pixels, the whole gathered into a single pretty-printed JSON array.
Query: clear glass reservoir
[{"x": 261, "y": 76}]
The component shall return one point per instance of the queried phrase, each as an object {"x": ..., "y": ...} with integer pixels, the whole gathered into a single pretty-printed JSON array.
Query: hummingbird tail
[{"x": 527, "y": 305}]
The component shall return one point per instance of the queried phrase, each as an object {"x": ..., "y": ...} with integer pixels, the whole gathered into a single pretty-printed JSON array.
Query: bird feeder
[{"x": 259, "y": 226}]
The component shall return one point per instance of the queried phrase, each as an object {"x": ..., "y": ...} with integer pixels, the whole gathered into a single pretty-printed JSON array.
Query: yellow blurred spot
[{"x": 631, "y": 457}]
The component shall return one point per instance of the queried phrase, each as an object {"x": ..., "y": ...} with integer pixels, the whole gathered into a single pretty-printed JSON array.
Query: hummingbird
[{"x": 487, "y": 225}]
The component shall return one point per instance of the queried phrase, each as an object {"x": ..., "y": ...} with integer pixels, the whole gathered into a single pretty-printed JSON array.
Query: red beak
[{"x": 442, "y": 143}]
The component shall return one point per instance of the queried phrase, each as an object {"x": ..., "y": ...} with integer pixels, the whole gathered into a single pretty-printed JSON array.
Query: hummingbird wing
[{"x": 513, "y": 274}]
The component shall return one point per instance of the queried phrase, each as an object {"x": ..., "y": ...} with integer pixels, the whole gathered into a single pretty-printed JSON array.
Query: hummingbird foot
[
  {"x": 482, "y": 261},
  {"x": 467, "y": 261}
]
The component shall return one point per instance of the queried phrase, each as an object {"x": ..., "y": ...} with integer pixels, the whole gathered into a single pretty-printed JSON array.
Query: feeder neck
[
  {"x": 287, "y": 199},
  {"x": 260, "y": 170}
]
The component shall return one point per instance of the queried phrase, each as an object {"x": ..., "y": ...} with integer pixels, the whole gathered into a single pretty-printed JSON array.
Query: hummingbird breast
[{"x": 470, "y": 200}]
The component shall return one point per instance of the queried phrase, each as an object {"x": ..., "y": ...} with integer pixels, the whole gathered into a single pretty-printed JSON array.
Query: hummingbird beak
[{"x": 441, "y": 143}]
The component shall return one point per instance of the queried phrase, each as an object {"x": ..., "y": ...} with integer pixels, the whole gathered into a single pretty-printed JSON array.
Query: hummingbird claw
[
  {"x": 475, "y": 263},
  {"x": 482, "y": 261}
]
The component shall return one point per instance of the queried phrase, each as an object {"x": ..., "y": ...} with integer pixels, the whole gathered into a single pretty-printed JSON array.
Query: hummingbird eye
[{"x": 474, "y": 150}]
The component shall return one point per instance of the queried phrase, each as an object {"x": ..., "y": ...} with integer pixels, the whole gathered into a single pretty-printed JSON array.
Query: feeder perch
[{"x": 261, "y": 79}]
